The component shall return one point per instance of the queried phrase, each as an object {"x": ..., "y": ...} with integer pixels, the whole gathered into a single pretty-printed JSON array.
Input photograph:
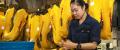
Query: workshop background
[{"x": 41, "y": 24}]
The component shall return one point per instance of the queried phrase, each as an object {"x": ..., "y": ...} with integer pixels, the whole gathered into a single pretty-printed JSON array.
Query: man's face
[{"x": 77, "y": 11}]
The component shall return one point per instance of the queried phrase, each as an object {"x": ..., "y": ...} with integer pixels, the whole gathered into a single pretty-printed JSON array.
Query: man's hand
[{"x": 68, "y": 44}]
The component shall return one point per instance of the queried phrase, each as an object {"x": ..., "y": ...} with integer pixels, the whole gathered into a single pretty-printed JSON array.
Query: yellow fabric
[
  {"x": 34, "y": 27},
  {"x": 102, "y": 9},
  {"x": 46, "y": 20},
  {"x": 65, "y": 16},
  {"x": 20, "y": 19},
  {"x": 1, "y": 13},
  {"x": 107, "y": 6},
  {"x": 9, "y": 15},
  {"x": 60, "y": 19},
  {"x": 56, "y": 24},
  {"x": 86, "y": 1},
  {"x": 28, "y": 25},
  {"x": 34, "y": 30},
  {"x": 2, "y": 24},
  {"x": 95, "y": 9}
]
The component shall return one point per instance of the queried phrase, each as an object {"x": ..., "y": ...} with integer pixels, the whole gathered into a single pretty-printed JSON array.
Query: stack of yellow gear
[
  {"x": 46, "y": 27},
  {"x": 18, "y": 23},
  {"x": 107, "y": 6},
  {"x": 65, "y": 16},
  {"x": 28, "y": 24},
  {"x": 8, "y": 15},
  {"x": 102, "y": 11},
  {"x": 34, "y": 27},
  {"x": 56, "y": 24},
  {"x": 34, "y": 30},
  {"x": 39, "y": 28},
  {"x": 60, "y": 20}
]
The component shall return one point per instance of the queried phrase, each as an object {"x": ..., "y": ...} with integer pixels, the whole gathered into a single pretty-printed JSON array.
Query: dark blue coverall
[{"x": 86, "y": 32}]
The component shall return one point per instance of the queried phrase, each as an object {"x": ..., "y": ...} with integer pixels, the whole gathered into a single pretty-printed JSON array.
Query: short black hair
[{"x": 80, "y": 2}]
